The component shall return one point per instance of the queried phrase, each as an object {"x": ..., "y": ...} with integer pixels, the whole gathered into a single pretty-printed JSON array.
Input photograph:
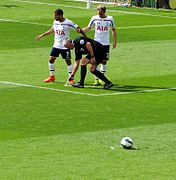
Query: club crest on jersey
[
  {"x": 81, "y": 41},
  {"x": 102, "y": 28}
]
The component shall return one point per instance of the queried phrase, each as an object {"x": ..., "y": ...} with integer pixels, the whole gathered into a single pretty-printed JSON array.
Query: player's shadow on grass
[
  {"x": 9, "y": 6},
  {"x": 131, "y": 88},
  {"x": 131, "y": 149},
  {"x": 125, "y": 88}
]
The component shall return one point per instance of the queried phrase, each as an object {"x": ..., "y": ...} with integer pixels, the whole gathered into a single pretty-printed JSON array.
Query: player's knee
[
  {"x": 104, "y": 62},
  {"x": 92, "y": 69},
  {"x": 84, "y": 61},
  {"x": 52, "y": 59}
]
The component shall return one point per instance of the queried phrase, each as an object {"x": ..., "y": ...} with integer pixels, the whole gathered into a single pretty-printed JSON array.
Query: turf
[
  {"x": 89, "y": 155},
  {"x": 75, "y": 133}
]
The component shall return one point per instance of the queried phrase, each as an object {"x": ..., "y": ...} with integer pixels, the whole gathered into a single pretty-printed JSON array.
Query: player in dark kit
[{"x": 94, "y": 55}]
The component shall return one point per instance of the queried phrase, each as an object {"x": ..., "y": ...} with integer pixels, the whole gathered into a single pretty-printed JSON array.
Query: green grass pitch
[{"x": 49, "y": 131}]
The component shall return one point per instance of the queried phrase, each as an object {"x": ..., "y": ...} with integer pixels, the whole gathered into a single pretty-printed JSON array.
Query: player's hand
[
  {"x": 78, "y": 30},
  {"x": 114, "y": 45},
  {"x": 92, "y": 60},
  {"x": 39, "y": 37},
  {"x": 70, "y": 77}
]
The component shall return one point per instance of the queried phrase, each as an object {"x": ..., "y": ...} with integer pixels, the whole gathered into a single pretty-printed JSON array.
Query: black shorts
[
  {"x": 106, "y": 51},
  {"x": 101, "y": 53},
  {"x": 65, "y": 53}
]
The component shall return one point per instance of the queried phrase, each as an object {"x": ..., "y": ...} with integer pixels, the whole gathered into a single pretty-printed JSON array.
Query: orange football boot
[
  {"x": 71, "y": 81},
  {"x": 50, "y": 79}
]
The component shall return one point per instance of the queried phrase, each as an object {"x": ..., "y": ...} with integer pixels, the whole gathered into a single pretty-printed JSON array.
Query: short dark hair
[{"x": 59, "y": 11}]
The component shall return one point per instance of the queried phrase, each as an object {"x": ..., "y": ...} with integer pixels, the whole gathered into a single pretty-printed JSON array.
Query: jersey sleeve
[
  {"x": 112, "y": 22},
  {"x": 79, "y": 43},
  {"x": 91, "y": 23},
  {"x": 78, "y": 54},
  {"x": 72, "y": 24}
]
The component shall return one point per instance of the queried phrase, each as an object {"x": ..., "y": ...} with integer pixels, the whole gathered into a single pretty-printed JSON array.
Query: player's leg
[
  {"x": 69, "y": 69},
  {"x": 51, "y": 66},
  {"x": 98, "y": 74},
  {"x": 103, "y": 67},
  {"x": 108, "y": 84},
  {"x": 66, "y": 55},
  {"x": 96, "y": 80},
  {"x": 53, "y": 54},
  {"x": 74, "y": 70},
  {"x": 99, "y": 59},
  {"x": 69, "y": 66},
  {"x": 83, "y": 73}
]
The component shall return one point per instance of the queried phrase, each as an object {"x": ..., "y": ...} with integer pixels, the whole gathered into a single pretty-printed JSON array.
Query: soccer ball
[{"x": 126, "y": 142}]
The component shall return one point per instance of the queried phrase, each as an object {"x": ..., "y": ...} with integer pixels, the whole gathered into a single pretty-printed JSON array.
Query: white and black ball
[{"x": 126, "y": 142}]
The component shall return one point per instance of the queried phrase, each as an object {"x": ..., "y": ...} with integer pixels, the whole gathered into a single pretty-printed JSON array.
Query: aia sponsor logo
[
  {"x": 60, "y": 32},
  {"x": 102, "y": 28}
]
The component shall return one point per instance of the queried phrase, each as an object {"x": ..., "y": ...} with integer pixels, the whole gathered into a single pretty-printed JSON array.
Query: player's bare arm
[
  {"x": 90, "y": 49},
  {"x": 86, "y": 29},
  {"x": 75, "y": 68},
  {"x": 114, "y": 37},
  {"x": 79, "y": 30},
  {"x": 50, "y": 31}
]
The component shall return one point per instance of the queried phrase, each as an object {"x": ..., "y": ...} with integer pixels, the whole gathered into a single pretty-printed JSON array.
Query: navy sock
[
  {"x": 83, "y": 74},
  {"x": 100, "y": 76}
]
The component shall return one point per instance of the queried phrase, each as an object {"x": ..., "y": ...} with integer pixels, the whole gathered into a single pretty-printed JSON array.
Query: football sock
[
  {"x": 95, "y": 77},
  {"x": 51, "y": 68},
  {"x": 69, "y": 68},
  {"x": 100, "y": 76},
  {"x": 103, "y": 68},
  {"x": 83, "y": 74}
]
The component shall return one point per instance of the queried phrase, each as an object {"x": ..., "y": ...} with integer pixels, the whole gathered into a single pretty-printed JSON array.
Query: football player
[
  {"x": 95, "y": 54},
  {"x": 102, "y": 24},
  {"x": 61, "y": 28}
]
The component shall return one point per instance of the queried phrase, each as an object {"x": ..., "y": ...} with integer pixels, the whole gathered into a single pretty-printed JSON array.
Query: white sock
[
  {"x": 51, "y": 68},
  {"x": 69, "y": 68},
  {"x": 103, "y": 68}
]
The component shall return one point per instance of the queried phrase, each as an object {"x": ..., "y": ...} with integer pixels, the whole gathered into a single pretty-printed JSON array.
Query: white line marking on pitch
[
  {"x": 88, "y": 94},
  {"x": 77, "y": 7},
  {"x": 45, "y": 88},
  {"x": 24, "y": 22},
  {"x": 127, "y": 27},
  {"x": 138, "y": 91},
  {"x": 148, "y": 26},
  {"x": 48, "y": 4}
]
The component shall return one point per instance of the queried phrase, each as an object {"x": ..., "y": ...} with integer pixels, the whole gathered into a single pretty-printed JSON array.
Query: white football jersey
[
  {"x": 102, "y": 26},
  {"x": 62, "y": 31}
]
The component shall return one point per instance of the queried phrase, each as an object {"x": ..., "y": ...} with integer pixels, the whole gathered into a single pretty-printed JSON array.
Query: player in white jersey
[
  {"x": 102, "y": 25},
  {"x": 61, "y": 28}
]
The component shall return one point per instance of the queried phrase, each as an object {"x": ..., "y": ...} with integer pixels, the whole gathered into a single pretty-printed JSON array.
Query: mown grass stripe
[{"x": 127, "y": 27}]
